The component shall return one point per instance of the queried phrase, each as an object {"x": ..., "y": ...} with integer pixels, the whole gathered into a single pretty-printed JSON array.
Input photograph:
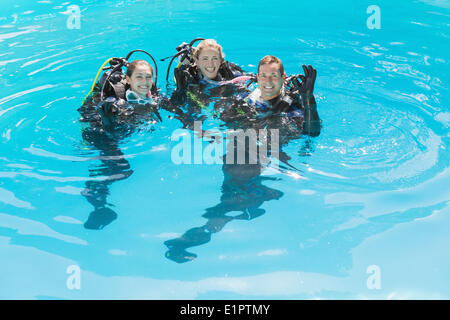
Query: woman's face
[
  {"x": 141, "y": 80},
  {"x": 209, "y": 61}
]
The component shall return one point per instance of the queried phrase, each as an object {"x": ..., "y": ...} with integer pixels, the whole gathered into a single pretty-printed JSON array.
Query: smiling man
[
  {"x": 270, "y": 77},
  {"x": 278, "y": 95}
]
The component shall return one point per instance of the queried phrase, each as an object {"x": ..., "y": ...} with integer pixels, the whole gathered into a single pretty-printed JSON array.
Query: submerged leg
[{"x": 114, "y": 167}]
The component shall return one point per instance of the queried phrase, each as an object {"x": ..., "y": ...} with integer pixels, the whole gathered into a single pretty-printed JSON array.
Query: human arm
[
  {"x": 109, "y": 110},
  {"x": 305, "y": 89},
  {"x": 184, "y": 75}
]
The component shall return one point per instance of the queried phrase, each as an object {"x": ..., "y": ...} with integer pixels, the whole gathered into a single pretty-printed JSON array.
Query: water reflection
[
  {"x": 243, "y": 192},
  {"x": 242, "y": 189},
  {"x": 114, "y": 167}
]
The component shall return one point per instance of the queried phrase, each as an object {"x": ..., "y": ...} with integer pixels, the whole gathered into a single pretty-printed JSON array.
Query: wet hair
[
  {"x": 271, "y": 59},
  {"x": 132, "y": 66},
  {"x": 208, "y": 43}
]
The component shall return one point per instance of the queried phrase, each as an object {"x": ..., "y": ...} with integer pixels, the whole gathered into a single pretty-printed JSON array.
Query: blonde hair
[{"x": 208, "y": 43}]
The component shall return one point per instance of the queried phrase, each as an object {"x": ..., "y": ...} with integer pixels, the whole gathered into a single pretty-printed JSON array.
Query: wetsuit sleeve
[
  {"x": 178, "y": 97},
  {"x": 226, "y": 71},
  {"x": 183, "y": 76},
  {"x": 180, "y": 78},
  {"x": 229, "y": 70},
  {"x": 305, "y": 89},
  {"x": 108, "y": 111},
  {"x": 311, "y": 122},
  {"x": 111, "y": 109},
  {"x": 170, "y": 104}
]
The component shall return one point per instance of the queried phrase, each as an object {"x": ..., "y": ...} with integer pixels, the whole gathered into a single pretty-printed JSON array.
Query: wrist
[
  {"x": 308, "y": 101},
  {"x": 308, "y": 94}
]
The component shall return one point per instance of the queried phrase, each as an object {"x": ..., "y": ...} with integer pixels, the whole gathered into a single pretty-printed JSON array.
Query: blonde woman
[{"x": 206, "y": 65}]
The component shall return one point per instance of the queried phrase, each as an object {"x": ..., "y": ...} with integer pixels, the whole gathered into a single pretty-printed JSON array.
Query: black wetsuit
[
  {"x": 243, "y": 191},
  {"x": 290, "y": 113},
  {"x": 194, "y": 92},
  {"x": 189, "y": 74}
]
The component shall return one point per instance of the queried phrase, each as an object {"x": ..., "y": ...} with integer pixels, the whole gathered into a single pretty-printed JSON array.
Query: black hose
[
  {"x": 170, "y": 63},
  {"x": 123, "y": 62},
  {"x": 184, "y": 51},
  {"x": 154, "y": 62},
  {"x": 194, "y": 41}
]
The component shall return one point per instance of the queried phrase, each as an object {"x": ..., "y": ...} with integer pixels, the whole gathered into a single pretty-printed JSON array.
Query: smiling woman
[
  {"x": 140, "y": 78},
  {"x": 206, "y": 65},
  {"x": 208, "y": 57}
]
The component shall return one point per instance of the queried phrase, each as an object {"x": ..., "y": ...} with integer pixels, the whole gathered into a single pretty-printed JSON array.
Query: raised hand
[{"x": 308, "y": 80}]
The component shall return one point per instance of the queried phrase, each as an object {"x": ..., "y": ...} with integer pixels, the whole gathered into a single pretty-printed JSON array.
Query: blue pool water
[{"x": 365, "y": 216}]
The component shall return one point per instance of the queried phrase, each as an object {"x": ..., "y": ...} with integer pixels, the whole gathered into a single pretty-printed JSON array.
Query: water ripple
[
  {"x": 383, "y": 100},
  {"x": 31, "y": 227},
  {"x": 9, "y": 198},
  {"x": 20, "y": 94}
]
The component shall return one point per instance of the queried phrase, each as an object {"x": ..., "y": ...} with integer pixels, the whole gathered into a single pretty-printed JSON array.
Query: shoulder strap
[{"x": 119, "y": 89}]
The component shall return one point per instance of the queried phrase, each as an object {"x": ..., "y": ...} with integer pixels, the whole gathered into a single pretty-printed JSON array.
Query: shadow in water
[
  {"x": 113, "y": 167},
  {"x": 243, "y": 192}
]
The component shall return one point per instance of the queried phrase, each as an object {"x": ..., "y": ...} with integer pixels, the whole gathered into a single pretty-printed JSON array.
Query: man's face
[
  {"x": 209, "y": 61},
  {"x": 270, "y": 80}
]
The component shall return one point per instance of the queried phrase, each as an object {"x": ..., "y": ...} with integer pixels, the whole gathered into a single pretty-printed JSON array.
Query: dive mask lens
[{"x": 134, "y": 98}]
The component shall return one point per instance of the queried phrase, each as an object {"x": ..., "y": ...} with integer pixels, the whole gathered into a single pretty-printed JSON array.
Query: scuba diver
[
  {"x": 119, "y": 98},
  {"x": 202, "y": 76},
  {"x": 282, "y": 103},
  {"x": 114, "y": 108},
  {"x": 204, "y": 64},
  {"x": 286, "y": 100}
]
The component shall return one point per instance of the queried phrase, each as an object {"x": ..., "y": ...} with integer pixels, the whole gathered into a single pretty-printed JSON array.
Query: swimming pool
[{"x": 366, "y": 215}]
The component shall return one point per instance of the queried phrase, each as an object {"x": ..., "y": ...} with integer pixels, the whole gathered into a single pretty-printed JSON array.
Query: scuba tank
[{"x": 112, "y": 82}]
